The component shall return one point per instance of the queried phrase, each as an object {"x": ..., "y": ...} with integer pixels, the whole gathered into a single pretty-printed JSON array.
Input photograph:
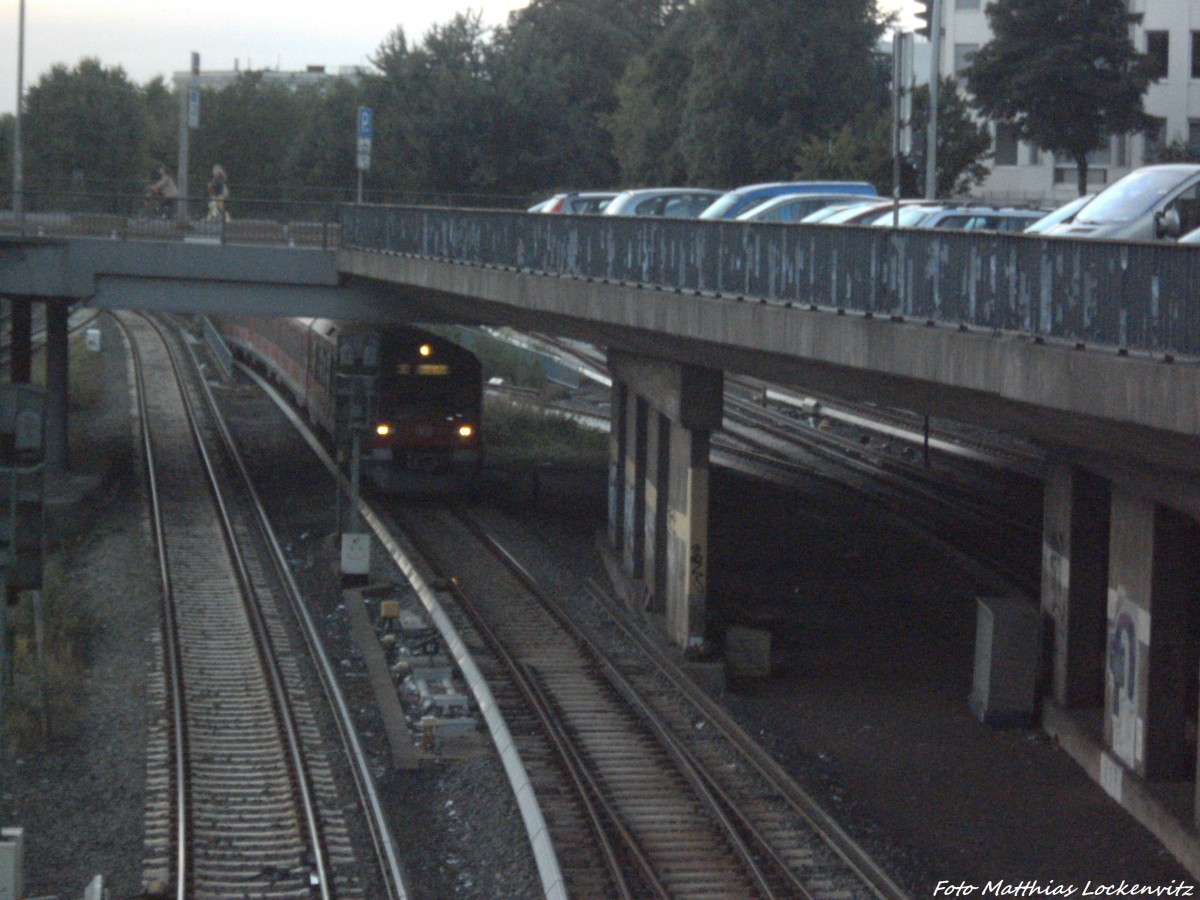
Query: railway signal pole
[
  {"x": 354, "y": 389},
  {"x": 22, "y": 463}
]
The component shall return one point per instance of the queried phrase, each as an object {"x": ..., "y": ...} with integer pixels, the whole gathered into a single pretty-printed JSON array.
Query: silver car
[
  {"x": 1150, "y": 204},
  {"x": 679, "y": 203},
  {"x": 792, "y": 207}
]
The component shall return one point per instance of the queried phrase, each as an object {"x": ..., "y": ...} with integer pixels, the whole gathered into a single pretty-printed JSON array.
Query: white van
[{"x": 1151, "y": 204}]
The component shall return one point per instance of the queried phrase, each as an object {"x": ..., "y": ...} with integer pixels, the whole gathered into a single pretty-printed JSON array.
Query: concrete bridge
[{"x": 1088, "y": 348}]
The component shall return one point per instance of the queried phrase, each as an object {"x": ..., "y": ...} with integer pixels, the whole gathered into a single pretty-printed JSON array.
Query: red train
[{"x": 423, "y": 433}]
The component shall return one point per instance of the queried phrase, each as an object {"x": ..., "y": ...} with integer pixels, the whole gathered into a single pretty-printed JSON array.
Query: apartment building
[{"x": 1169, "y": 32}]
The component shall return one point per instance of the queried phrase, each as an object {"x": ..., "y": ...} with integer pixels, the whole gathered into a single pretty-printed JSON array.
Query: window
[
  {"x": 1101, "y": 156},
  {"x": 1157, "y": 48},
  {"x": 1154, "y": 141},
  {"x": 1196, "y": 54},
  {"x": 963, "y": 54},
  {"x": 1006, "y": 144},
  {"x": 966, "y": 4},
  {"x": 1035, "y": 156},
  {"x": 1188, "y": 206},
  {"x": 1120, "y": 150}
]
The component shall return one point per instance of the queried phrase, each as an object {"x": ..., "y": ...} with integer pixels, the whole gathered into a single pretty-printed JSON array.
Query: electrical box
[
  {"x": 11, "y": 861},
  {"x": 1006, "y": 661}
]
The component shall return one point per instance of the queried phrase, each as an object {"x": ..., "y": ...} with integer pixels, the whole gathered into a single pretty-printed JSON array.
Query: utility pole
[
  {"x": 18, "y": 159},
  {"x": 189, "y": 118},
  {"x": 935, "y": 77}
]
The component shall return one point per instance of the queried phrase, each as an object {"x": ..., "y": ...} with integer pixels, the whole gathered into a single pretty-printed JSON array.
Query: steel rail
[
  {"x": 170, "y": 631},
  {"x": 873, "y": 875},
  {"x": 283, "y": 706},
  {"x": 719, "y": 804},
  {"x": 383, "y": 841}
]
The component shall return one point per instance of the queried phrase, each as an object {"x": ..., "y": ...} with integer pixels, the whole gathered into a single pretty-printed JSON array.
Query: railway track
[
  {"x": 634, "y": 803},
  {"x": 242, "y": 801},
  {"x": 683, "y": 818}
]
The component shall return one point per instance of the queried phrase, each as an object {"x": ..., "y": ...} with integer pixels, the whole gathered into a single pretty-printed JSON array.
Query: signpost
[{"x": 366, "y": 130}]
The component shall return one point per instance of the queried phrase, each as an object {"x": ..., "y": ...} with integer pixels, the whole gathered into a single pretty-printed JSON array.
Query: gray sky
[{"x": 157, "y": 38}]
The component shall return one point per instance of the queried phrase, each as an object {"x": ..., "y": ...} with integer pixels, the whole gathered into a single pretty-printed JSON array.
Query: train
[{"x": 422, "y": 431}]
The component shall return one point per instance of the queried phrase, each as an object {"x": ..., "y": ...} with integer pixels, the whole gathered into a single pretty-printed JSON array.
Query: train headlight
[
  {"x": 383, "y": 429},
  {"x": 425, "y": 350},
  {"x": 465, "y": 431}
]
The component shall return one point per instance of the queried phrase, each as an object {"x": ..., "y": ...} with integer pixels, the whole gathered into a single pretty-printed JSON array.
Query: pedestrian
[
  {"x": 165, "y": 191},
  {"x": 218, "y": 193}
]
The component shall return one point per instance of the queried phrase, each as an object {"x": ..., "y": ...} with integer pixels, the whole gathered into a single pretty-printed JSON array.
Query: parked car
[
  {"x": 1150, "y": 204},
  {"x": 878, "y": 210},
  {"x": 680, "y": 203},
  {"x": 1065, "y": 213},
  {"x": 740, "y": 199},
  {"x": 965, "y": 218},
  {"x": 790, "y": 207},
  {"x": 579, "y": 202},
  {"x": 830, "y": 212}
]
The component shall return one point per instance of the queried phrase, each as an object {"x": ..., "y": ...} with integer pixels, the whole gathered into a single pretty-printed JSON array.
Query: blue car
[{"x": 741, "y": 199}]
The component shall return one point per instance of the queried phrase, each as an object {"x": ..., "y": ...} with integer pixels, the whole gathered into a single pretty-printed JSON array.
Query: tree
[
  {"x": 963, "y": 142},
  {"x": 1064, "y": 72},
  {"x": 734, "y": 88},
  {"x": 645, "y": 125},
  {"x": 437, "y": 111},
  {"x": 556, "y": 68},
  {"x": 85, "y": 129}
]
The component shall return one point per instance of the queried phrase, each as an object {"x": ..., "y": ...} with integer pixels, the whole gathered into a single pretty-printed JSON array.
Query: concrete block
[
  {"x": 1006, "y": 661},
  {"x": 11, "y": 863},
  {"x": 747, "y": 652}
]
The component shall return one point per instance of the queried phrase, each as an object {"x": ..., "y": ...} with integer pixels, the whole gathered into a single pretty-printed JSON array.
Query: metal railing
[
  {"x": 139, "y": 217},
  {"x": 1132, "y": 296}
]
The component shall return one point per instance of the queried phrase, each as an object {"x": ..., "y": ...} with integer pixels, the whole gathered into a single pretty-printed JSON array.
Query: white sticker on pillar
[{"x": 1112, "y": 776}]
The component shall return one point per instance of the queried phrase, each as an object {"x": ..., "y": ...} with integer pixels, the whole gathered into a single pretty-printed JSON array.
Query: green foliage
[
  {"x": 85, "y": 129},
  {"x": 69, "y": 630},
  {"x": 859, "y": 151},
  {"x": 732, "y": 91},
  {"x": 963, "y": 143},
  {"x": 556, "y": 67},
  {"x": 244, "y": 128},
  {"x": 1178, "y": 151},
  {"x": 862, "y": 150},
  {"x": 516, "y": 434},
  {"x": 568, "y": 94},
  {"x": 1064, "y": 72}
]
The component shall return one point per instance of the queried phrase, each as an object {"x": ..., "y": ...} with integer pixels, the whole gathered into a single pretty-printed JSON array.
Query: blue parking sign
[{"x": 365, "y": 122}]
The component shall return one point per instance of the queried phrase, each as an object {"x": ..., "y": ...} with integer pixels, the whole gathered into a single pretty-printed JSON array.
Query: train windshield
[{"x": 416, "y": 392}]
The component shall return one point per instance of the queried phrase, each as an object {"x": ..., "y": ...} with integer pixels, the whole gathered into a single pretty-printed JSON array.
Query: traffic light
[{"x": 924, "y": 18}]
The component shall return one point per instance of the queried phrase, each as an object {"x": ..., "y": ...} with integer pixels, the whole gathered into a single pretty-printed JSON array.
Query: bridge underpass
[{"x": 1120, "y": 421}]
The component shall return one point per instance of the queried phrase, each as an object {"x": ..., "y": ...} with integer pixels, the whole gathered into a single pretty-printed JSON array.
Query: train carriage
[{"x": 423, "y": 430}]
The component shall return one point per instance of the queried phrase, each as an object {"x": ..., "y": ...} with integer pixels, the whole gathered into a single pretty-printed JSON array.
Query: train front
[{"x": 424, "y": 435}]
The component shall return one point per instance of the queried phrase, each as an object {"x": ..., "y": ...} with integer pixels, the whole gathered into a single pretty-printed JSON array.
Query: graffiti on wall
[{"x": 1123, "y": 675}]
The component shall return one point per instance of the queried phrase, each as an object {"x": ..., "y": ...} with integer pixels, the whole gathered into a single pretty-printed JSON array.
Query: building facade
[{"x": 1169, "y": 32}]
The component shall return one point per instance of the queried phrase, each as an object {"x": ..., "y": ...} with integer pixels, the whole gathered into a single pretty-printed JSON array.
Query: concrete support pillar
[
  {"x": 20, "y": 364},
  {"x": 658, "y": 480},
  {"x": 666, "y": 490},
  {"x": 687, "y": 536},
  {"x": 635, "y": 488},
  {"x": 56, "y": 386},
  {"x": 1153, "y": 657},
  {"x": 616, "y": 466},
  {"x": 1075, "y": 583}
]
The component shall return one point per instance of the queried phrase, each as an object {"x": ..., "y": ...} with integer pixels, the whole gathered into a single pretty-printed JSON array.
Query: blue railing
[{"x": 1141, "y": 296}]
